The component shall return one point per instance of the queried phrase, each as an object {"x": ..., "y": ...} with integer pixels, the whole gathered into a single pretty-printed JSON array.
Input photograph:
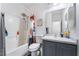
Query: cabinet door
[
  {"x": 49, "y": 48},
  {"x": 66, "y": 50}
]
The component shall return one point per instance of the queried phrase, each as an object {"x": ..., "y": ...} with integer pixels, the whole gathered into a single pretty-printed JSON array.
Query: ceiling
[{"x": 28, "y": 8}]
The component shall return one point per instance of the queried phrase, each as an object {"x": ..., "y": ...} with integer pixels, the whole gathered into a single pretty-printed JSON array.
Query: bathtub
[{"x": 19, "y": 51}]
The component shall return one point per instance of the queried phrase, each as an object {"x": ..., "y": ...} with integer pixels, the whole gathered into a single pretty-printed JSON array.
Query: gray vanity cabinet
[
  {"x": 49, "y": 48},
  {"x": 66, "y": 49},
  {"x": 58, "y": 49}
]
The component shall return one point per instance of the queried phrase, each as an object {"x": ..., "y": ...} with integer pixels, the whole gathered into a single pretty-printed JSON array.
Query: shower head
[{"x": 24, "y": 15}]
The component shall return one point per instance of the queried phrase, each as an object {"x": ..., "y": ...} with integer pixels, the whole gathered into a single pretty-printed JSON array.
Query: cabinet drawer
[
  {"x": 48, "y": 43},
  {"x": 58, "y": 49},
  {"x": 49, "y": 48},
  {"x": 66, "y": 49}
]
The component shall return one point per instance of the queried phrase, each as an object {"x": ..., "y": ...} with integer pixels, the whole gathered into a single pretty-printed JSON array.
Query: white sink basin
[{"x": 59, "y": 39}]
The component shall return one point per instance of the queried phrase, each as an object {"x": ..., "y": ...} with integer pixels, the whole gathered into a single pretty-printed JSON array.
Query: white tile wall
[{"x": 12, "y": 26}]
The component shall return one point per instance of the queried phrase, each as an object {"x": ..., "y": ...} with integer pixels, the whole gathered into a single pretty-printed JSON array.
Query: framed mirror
[
  {"x": 70, "y": 19},
  {"x": 53, "y": 21}
]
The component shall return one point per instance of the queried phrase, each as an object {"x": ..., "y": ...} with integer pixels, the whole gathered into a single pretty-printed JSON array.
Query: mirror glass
[
  {"x": 62, "y": 20},
  {"x": 70, "y": 19},
  {"x": 56, "y": 21},
  {"x": 53, "y": 21}
]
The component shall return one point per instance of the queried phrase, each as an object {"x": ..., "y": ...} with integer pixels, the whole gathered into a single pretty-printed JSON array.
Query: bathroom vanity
[
  {"x": 60, "y": 21},
  {"x": 56, "y": 46}
]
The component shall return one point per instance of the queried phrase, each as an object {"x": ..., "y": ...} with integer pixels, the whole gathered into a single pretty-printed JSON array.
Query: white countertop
[{"x": 59, "y": 39}]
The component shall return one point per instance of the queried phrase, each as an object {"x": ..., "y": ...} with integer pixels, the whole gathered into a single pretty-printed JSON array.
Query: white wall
[
  {"x": 12, "y": 19},
  {"x": 0, "y": 7},
  {"x": 12, "y": 26},
  {"x": 77, "y": 22},
  {"x": 77, "y": 25},
  {"x": 77, "y": 18},
  {"x": 13, "y": 13},
  {"x": 48, "y": 23},
  {"x": 38, "y": 11},
  {"x": 76, "y": 34}
]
